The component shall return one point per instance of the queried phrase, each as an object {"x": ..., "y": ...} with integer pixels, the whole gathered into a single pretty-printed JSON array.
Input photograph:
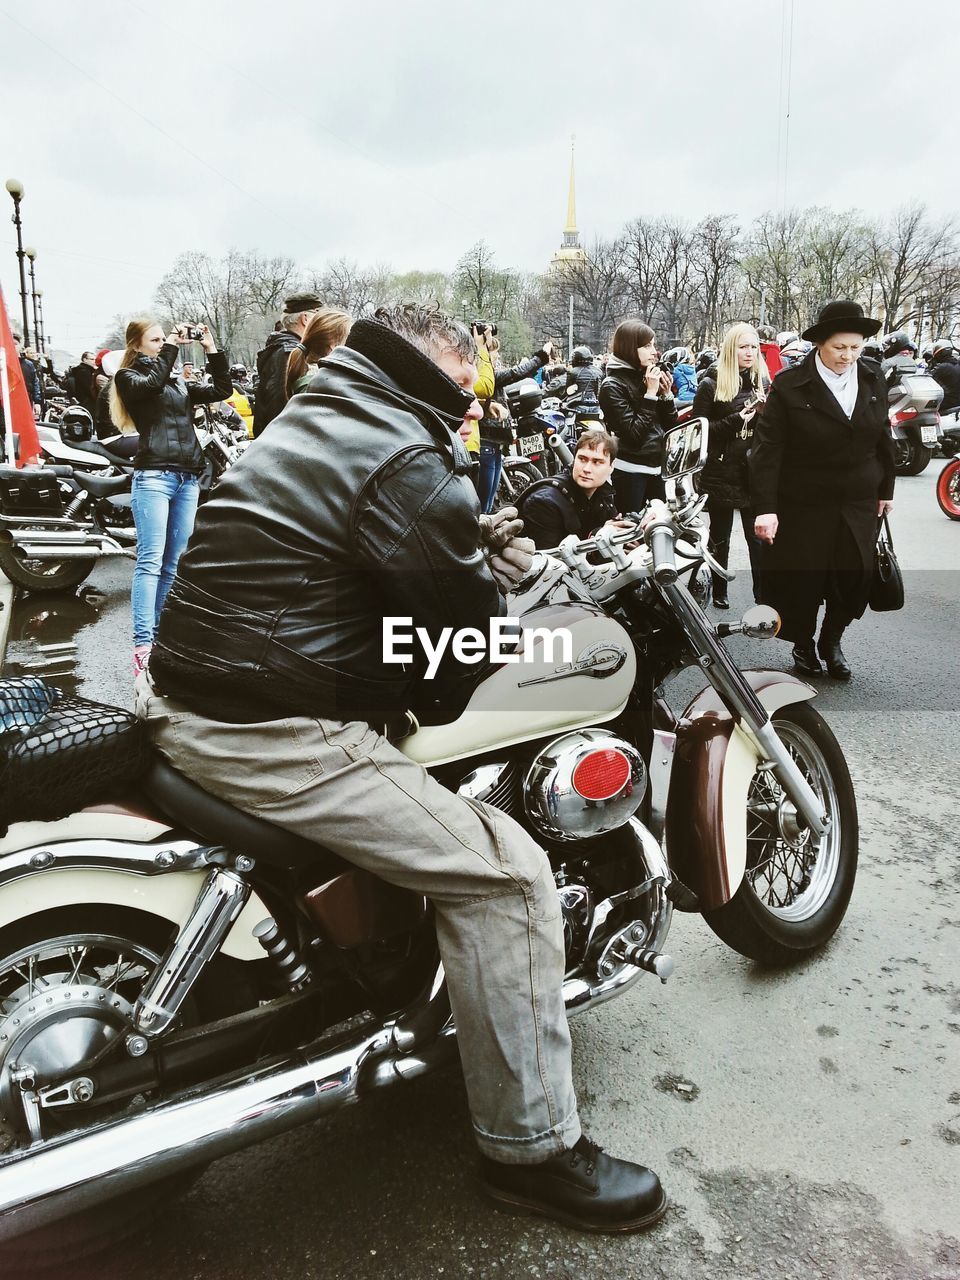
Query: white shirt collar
[{"x": 843, "y": 386}]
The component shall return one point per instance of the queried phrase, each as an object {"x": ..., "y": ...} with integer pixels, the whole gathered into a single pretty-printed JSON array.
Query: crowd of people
[{"x": 807, "y": 497}]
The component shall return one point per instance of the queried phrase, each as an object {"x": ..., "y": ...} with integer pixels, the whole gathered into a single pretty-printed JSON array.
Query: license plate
[
  {"x": 928, "y": 434},
  {"x": 531, "y": 444}
]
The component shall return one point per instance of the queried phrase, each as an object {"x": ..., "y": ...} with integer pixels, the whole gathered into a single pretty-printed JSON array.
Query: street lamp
[
  {"x": 31, "y": 254},
  {"x": 463, "y": 309},
  {"x": 43, "y": 342},
  {"x": 16, "y": 191}
]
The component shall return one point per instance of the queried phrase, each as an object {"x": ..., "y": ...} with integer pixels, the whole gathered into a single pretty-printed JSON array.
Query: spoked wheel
[
  {"x": 69, "y": 980},
  {"x": 948, "y": 489},
  {"x": 796, "y": 887}
]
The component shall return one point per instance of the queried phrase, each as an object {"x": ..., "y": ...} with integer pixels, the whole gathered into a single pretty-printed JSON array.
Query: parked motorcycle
[
  {"x": 223, "y": 439},
  {"x": 948, "y": 489},
  {"x": 914, "y": 421},
  {"x": 179, "y": 980},
  {"x": 90, "y": 455},
  {"x": 56, "y": 522}
]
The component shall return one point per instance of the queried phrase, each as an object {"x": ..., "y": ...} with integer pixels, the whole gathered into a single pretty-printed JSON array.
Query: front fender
[
  {"x": 119, "y": 873},
  {"x": 713, "y": 768}
]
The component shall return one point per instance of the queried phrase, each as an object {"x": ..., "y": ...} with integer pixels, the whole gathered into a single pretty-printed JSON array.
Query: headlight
[{"x": 584, "y": 784}]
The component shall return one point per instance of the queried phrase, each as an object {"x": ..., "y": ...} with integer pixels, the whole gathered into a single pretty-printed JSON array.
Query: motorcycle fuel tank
[{"x": 583, "y": 677}]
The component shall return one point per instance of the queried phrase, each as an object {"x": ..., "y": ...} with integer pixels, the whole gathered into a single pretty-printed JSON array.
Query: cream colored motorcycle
[{"x": 179, "y": 980}]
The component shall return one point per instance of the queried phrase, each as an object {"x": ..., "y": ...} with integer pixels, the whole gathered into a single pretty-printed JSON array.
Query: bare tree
[
  {"x": 905, "y": 252},
  {"x": 715, "y": 250}
]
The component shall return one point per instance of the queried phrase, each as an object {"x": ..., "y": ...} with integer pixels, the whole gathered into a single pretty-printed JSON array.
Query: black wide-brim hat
[{"x": 841, "y": 317}]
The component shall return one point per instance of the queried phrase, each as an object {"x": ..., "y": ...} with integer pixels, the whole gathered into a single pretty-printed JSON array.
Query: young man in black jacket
[
  {"x": 579, "y": 501},
  {"x": 269, "y": 685}
]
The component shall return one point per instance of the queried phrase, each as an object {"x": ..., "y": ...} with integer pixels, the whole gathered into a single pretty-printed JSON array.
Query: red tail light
[
  {"x": 904, "y": 416},
  {"x": 601, "y": 775}
]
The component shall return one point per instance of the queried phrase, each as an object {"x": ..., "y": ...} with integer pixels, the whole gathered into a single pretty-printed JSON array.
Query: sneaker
[
  {"x": 583, "y": 1187},
  {"x": 141, "y": 656}
]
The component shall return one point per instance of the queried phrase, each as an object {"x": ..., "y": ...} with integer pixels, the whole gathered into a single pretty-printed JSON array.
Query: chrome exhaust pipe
[{"x": 67, "y": 1175}]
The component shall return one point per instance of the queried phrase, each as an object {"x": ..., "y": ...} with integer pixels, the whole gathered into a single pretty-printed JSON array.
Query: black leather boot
[
  {"x": 805, "y": 658},
  {"x": 582, "y": 1187},
  {"x": 719, "y": 594},
  {"x": 829, "y": 648}
]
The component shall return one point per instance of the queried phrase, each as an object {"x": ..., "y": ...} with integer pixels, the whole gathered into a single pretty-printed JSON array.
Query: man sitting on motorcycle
[
  {"x": 579, "y": 501},
  {"x": 268, "y": 685}
]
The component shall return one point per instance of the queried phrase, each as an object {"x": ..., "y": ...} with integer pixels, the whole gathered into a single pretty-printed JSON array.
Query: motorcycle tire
[
  {"x": 43, "y": 575},
  {"x": 795, "y": 891},
  {"x": 913, "y": 458},
  {"x": 105, "y": 931},
  {"x": 948, "y": 489}
]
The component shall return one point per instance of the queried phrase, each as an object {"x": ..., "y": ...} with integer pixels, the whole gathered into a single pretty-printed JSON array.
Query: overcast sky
[{"x": 404, "y": 132}]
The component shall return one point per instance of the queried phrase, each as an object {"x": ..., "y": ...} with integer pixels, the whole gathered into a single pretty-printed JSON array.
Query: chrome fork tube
[
  {"x": 221, "y": 899},
  {"x": 727, "y": 678}
]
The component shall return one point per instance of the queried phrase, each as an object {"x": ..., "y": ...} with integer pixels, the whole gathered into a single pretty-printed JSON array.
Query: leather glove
[
  {"x": 510, "y": 565},
  {"x": 499, "y": 529}
]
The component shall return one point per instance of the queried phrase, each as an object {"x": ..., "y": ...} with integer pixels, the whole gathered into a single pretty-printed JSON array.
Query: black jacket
[
  {"x": 946, "y": 371},
  {"x": 553, "y": 508},
  {"x": 162, "y": 408},
  {"x": 726, "y": 477},
  {"x": 29, "y": 371},
  {"x": 272, "y": 368},
  {"x": 819, "y": 471},
  {"x": 80, "y": 383},
  {"x": 638, "y": 423},
  {"x": 586, "y": 377},
  {"x": 359, "y": 507}
]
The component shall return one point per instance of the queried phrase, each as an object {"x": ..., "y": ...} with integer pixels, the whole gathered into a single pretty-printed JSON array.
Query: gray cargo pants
[{"x": 497, "y": 912}]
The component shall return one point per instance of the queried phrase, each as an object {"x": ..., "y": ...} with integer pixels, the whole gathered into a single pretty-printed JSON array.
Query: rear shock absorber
[{"x": 282, "y": 952}]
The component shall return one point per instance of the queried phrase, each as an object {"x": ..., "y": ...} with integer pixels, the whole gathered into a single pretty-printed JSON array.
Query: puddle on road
[{"x": 44, "y": 627}]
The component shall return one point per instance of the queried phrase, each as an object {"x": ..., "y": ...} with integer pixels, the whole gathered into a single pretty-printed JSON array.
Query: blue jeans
[
  {"x": 491, "y": 465},
  {"x": 164, "y": 505}
]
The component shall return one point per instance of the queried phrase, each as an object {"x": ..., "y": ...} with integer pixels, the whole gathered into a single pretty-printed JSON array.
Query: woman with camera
[
  {"x": 638, "y": 407},
  {"x": 495, "y": 429},
  {"x": 730, "y": 396},
  {"x": 147, "y": 397}
]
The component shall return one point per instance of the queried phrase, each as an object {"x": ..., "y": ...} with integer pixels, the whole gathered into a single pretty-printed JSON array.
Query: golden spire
[{"x": 571, "y": 227}]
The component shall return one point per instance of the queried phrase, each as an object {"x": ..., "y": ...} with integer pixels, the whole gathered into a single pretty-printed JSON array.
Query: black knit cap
[{"x": 841, "y": 317}]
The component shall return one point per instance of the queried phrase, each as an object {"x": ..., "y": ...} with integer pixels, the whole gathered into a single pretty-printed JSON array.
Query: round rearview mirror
[{"x": 761, "y": 622}]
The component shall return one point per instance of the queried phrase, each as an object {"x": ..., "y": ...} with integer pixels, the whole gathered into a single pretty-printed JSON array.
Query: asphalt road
[{"x": 806, "y": 1124}]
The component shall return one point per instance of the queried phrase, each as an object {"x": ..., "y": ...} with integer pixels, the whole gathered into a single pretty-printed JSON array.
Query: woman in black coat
[
  {"x": 637, "y": 401},
  {"x": 822, "y": 473},
  {"x": 729, "y": 396}
]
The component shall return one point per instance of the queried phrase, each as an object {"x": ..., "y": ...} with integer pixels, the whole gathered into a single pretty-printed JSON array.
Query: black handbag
[{"x": 886, "y": 593}]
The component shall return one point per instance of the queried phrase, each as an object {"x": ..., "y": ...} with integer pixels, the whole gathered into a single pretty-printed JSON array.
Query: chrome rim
[
  {"x": 790, "y": 871},
  {"x": 62, "y": 1001}
]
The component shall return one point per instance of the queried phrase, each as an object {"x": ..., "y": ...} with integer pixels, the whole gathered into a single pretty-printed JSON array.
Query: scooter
[{"x": 914, "y": 400}]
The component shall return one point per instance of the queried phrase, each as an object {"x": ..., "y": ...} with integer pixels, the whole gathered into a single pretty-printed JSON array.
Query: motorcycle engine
[{"x": 584, "y": 784}]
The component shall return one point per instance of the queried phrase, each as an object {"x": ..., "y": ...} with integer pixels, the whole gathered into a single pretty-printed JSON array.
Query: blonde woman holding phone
[{"x": 730, "y": 396}]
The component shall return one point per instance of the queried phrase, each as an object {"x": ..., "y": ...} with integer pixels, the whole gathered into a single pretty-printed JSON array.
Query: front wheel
[
  {"x": 948, "y": 489},
  {"x": 796, "y": 887}
]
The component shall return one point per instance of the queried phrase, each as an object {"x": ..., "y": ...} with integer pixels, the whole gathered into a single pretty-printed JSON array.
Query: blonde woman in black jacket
[{"x": 730, "y": 396}]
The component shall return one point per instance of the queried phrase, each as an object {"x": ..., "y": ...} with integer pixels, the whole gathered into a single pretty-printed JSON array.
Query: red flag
[{"x": 20, "y": 408}]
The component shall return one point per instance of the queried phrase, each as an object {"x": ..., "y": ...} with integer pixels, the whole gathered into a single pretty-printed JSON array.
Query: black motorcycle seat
[
  {"x": 103, "y": 486},
  {"x": 99, "y": 450},
  {"x": 218, "y": 822}
]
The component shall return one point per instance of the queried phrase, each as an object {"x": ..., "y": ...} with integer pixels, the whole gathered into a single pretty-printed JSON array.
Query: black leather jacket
[
  {"x": 272, "y": 386},
  {"x": 586, "y": 377},
  {"x": 162, "y": 408},
  {"x": 358, "y": 506},
  {"x": 946, "y": 371},
  {"x": 638, "y": 423},
  {"x": 556, "y": 506}
]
